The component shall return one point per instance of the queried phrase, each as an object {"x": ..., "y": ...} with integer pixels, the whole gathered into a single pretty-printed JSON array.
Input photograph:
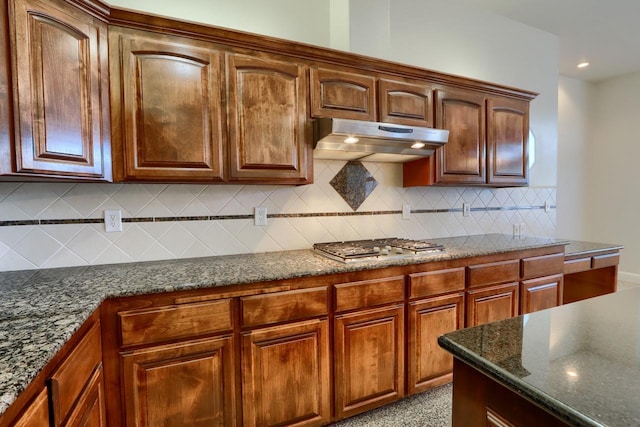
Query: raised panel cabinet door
[
  {"x": 90, "y": 409},
  {"x": 369, "y": 359},
  {"x": 342, "y": 94},
  {"x": 285, "y": 375},
  {"x": 167, "y": 113},
  {"x": 61, "y": 91},
  {"x": 269, "y": 133},
  {"x": 493, "y": 303},
  {"x": 189, "y": 383},
  {"x": 36, "y": 414},
  {"x": 429, "y": 364},
  {"x": 462, "y": 160},
  {"x": 507, "y": 141},
  {"x": 538, "y": 294},
  {"x": 404, "y": 103}
]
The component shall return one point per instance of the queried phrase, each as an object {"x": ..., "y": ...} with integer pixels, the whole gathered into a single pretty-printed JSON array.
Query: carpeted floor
[{"x": 429, "y": 409}]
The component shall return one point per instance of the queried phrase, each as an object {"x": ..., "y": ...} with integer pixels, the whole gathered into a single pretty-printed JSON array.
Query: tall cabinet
[{"x": 58, "y": 63}]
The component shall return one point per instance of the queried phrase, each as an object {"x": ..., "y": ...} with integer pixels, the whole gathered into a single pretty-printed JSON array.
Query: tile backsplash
[{"x": 60, "y": 224}]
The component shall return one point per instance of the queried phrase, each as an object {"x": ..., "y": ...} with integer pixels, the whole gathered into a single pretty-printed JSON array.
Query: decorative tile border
[{"x": 250, "y": 216}]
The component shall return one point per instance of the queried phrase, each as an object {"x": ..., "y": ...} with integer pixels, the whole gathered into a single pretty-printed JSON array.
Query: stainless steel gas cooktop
[{"x": 367, "y": 250}]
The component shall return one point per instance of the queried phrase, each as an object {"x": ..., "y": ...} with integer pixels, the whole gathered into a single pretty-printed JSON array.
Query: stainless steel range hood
[{"x": 342, "y": 139}]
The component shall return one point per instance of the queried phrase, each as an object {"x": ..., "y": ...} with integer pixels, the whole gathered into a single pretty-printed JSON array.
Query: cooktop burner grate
[{"x": 357, "y": 250}]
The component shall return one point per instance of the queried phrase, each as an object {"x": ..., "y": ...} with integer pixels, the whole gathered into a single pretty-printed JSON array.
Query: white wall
[
  {"x": 575, "y": 98},
  {"x": 614, "y": 174}
]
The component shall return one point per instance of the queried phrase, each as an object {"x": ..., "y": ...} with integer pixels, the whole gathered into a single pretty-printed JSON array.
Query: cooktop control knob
[
  {"x": 384, "y": 251},
  {"x": 399, "y": 250},
  {"x": 376, "y": 249}
]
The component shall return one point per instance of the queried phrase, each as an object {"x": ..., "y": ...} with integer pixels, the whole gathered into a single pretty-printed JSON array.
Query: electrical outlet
[
  {"x": 547, "y": 206},
  {"x": 406, "y": 211},
  {"x": 516, "y": 231},
  {"x": 260, "y": 216},
  {"x": 466, "y": 209},
  {"x": 113, "y": 221}
]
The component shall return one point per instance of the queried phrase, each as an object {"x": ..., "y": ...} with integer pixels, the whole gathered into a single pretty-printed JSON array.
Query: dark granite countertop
[
  {"x": 579, "y": 361},
  {"x": 577, "y": 248},
  {"x": 40, "y": 309}
]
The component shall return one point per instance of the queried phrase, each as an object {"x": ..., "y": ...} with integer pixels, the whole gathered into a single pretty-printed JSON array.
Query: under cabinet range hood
[{"x": 342, "y": 139}]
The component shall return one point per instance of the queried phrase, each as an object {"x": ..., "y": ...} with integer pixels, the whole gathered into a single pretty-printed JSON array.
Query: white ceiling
[{"x": 604, "y": 33}]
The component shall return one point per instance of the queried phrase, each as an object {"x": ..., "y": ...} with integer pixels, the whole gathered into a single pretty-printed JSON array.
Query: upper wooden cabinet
[
  {"x": 462, "y": 159},
  {"x": 405, "y": 103},
  {"x": 353, "y": 95},
  {"x": 269, "y": 133},
  {"x": 58, "y": 63},
  {"x": 166, "y": 106},
  {"x": 507, "y": 141},
  {"x": 342, "y": 94},
  {"x": 488, "y": 142}
]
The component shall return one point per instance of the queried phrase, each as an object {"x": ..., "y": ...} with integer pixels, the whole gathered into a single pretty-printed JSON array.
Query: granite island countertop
[
  {"x": 579, "y": 361},
  {"x": 41, "y": 309}
]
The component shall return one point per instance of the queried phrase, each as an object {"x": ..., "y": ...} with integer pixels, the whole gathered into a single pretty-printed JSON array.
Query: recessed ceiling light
[{"x": 583, "y": 64}]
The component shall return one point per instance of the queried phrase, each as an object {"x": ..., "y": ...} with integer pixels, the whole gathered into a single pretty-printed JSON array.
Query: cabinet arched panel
[
  {"x": 340, "y": 94},
  {"x": 171, "y": 109},
  {"x": 61, "y": 97},
  {"x": 405, "y": 103},
  {"x": 267, "y": 119},
  {"x": 507, "y": 141}
]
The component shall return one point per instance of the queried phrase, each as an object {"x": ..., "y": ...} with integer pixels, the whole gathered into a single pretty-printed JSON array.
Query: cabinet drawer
[
  {"x": 577, "y": 265},
  {"x": 70, "y": 378},
  {"x": 608, "y": 260},
  {"x": 436, "y": 282},
  {"x": 176, "y": 321},
  {"x": 284, "y": 306},
  {"x": 544, "y": 265},
  {"x": 369, "y": 293},
  {"x": 494, "y": 272}
]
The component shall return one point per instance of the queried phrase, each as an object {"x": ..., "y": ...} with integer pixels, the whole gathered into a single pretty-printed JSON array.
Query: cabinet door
[
  {"x": 285, "y": 375},
  {"x": 61, "y": 92},
  {"x": 507, "y": 141},
  {"x": 408, "y": 104},
  {"x": 269, "y": 134},
  {"x": 462, "y": 159},
  {"x": 369, "y": 359},
  {"x": 90, "y": 410},
  {"x": 167, "y": 110},
  {"x": 36, "y": 414},
  {"x": 491, "y": 304},
  {"x": 341, "y": 94},
  {"x": 429, "y": 364},
  {"x": 189, "y": 383},
  {"x": 541, "y": 293}
]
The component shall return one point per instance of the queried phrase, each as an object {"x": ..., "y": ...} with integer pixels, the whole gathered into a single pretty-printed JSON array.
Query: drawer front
[
  {"x": 607, "y": 260},
  {"x": 544, "y": 265},
  {"x": 175, "y": 321},
  {"x": 436, "y": 282},
  {"x": 577, "y": 265},
  {"x": 369, "y": 293},
  {"x": 495, "y": 272},
  {"x": 284, "y": 306},
  {"x": 70, "y": 378}
]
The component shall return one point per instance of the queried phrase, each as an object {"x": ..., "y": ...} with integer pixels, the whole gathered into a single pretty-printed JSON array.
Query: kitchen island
[{"x": 577, "y": 364}]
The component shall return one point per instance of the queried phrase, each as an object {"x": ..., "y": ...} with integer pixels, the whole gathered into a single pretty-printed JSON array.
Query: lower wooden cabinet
[
  {"x": 90, "y": 411},
  {"x": 37, "y": 413},
  {"x": 369, "y": 359},
  {"x": 493, "y": 303},
  {"x": 538, "y": 294},
  {"x": 285, "y": 375},
  {"x": 188, "y": 383},
  {"x": 428, "y": 364}
]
